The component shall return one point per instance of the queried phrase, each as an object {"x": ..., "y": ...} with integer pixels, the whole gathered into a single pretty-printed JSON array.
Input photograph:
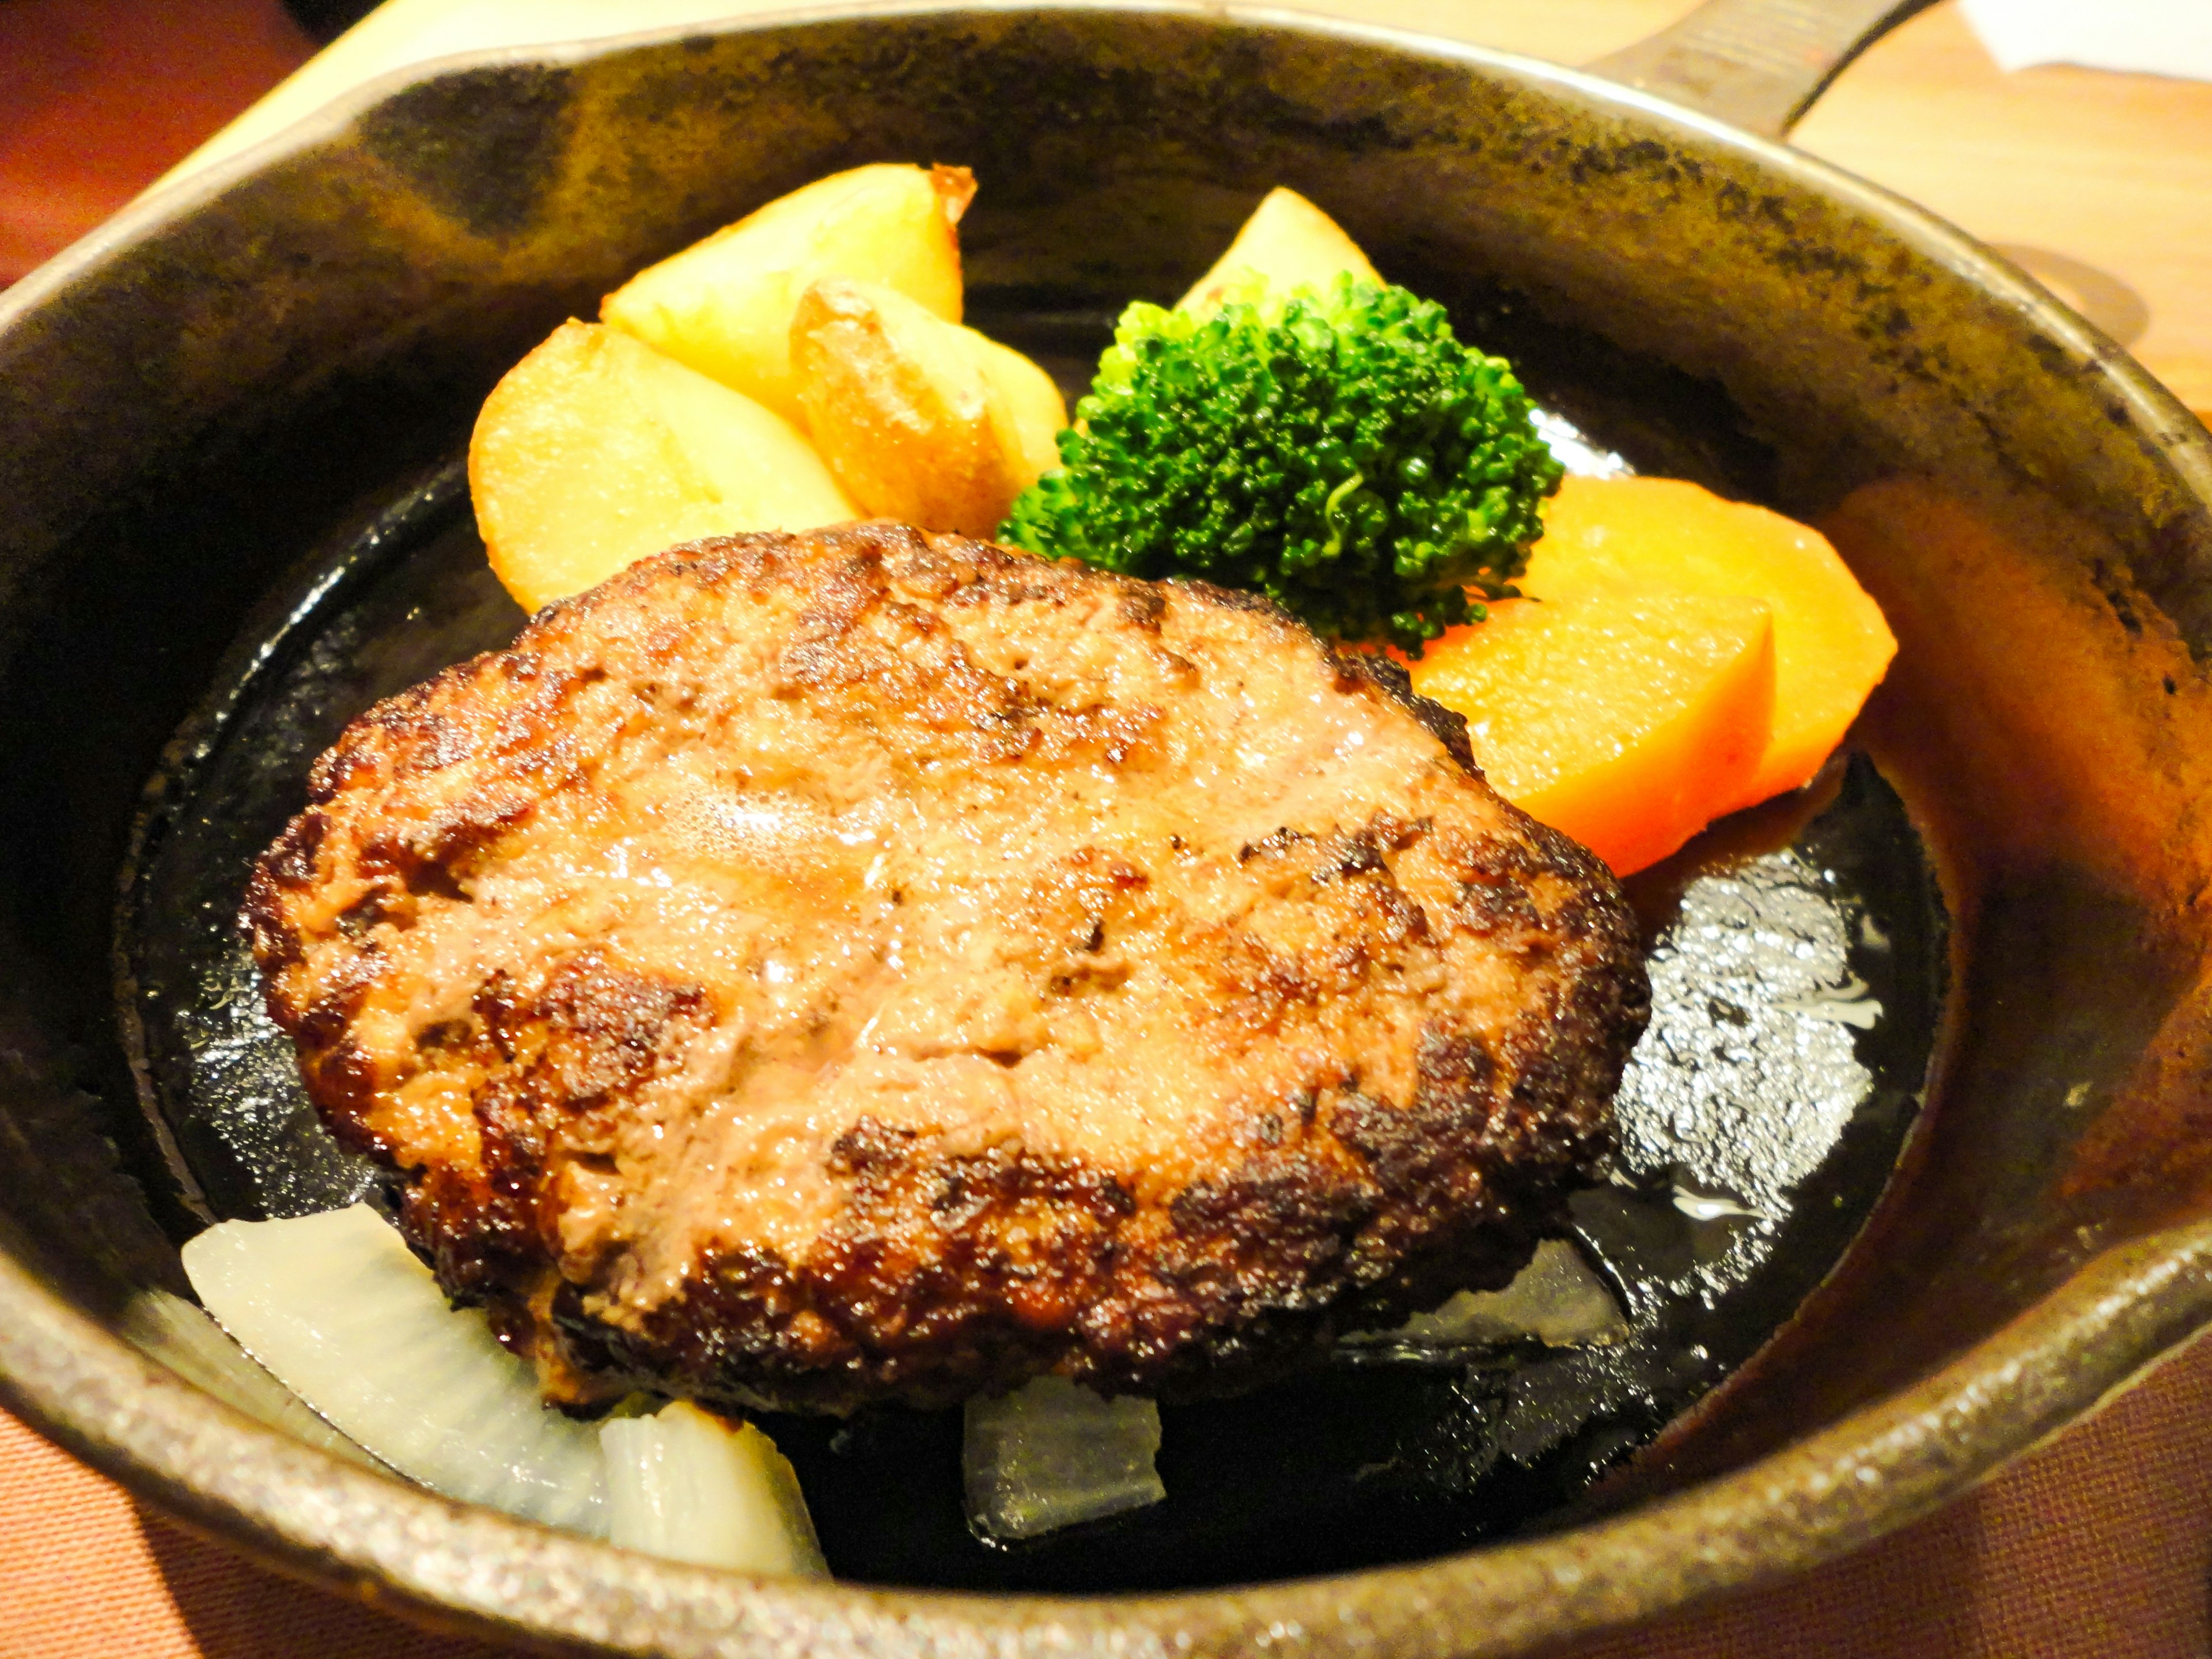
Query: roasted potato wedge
[
  {"x": 1288, "y": 242},
  {"x": 596, "y": 450},
  {"x": 723, "y": 305},
  {"x": 921, "y": 420},
  {"x": 1027, "y": 410}
]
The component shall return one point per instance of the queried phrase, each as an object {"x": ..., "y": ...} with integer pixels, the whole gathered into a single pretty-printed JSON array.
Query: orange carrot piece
[
  {"x": 1628, "y": 721},
  {"x": 1662, "y": 535}
]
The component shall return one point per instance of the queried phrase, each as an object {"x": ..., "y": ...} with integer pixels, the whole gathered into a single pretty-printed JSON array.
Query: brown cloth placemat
[{"x": 2099, "y": 1546}]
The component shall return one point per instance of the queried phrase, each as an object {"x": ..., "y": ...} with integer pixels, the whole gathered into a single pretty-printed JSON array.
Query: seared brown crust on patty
[{"x": 807, "y": 970}]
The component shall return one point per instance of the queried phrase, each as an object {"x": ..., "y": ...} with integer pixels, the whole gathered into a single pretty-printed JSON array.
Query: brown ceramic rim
[
  {"x": 1875, "y": 1470},
  {"x": 311, "y": 1514}
]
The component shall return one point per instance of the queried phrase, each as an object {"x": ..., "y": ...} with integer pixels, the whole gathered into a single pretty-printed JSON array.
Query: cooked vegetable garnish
[
  {"x": 1051, "y": 1455},
  {"x": 723, "y": 305},
  {"x": 1557, "y": 1300},
  {"x": 1665, "y": 535},
  {"x": 1288, "y": 243},
  {"x": 687, "y": 1485},
  {"x": 1337, "y": 450},
  {"x": 189, "y": 1342},
  {"x": 595, "y": 451},
  {"x": 337, "y": 1307},
  {"x": 1628, "y": 720},
  {"x": 921, "y": 420}
]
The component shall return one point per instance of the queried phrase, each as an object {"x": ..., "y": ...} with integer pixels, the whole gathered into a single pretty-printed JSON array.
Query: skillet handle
[{"x": 1757, "y": 64}]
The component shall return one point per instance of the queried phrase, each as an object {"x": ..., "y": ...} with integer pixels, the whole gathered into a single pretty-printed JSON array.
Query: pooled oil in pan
[{"x": 1796, "y": 958}]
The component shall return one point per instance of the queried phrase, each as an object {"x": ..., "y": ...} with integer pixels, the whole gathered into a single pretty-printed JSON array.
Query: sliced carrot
[
  {"x": 1629, "y": 721},
  {"x": 1662, "y": 535}
]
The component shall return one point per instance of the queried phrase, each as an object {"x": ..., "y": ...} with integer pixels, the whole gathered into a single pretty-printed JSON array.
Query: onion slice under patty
[
  {"x": 688, "y": 1487},
  {"x": 1557, "y": 1300},
  {"x": 337, "y": 1307},
  {"x": 186, "y": 1339},
  {"x": 1051, "y": 1455}
]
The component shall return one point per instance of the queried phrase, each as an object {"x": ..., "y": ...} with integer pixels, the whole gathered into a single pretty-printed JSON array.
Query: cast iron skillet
[{"x": 268, "y": 364}]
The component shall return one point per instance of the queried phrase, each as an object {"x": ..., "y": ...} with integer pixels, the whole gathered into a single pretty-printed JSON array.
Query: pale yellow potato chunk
[
  {"x": 1027, "y": 410},
  {"x": 723, "y": 305},
  {"x": 921, "y": 420},
  {"x": 1290, "y": 242},
  {"x": 596, "y": 450}
]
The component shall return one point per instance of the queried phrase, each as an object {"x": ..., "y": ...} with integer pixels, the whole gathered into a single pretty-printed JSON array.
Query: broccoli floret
[{"x": 1340, "y": 452}]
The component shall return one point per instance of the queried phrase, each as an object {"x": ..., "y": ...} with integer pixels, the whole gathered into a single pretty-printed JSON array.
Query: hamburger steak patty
[{"x": 807, "y": 970}]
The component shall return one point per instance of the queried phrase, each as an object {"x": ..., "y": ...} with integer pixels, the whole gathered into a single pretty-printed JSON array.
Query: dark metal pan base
[{"x": 1797, "y": 956}]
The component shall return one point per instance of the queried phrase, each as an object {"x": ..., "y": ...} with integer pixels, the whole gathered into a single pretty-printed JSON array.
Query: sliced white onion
[
  {"x": 337, "y": 1307},
  {"x": 182, "y": 1337},
  {"x": 686, "y": 1486},
  {"x": 1556, "y": 1299},
  {"x": 1051, "y": 1455}
]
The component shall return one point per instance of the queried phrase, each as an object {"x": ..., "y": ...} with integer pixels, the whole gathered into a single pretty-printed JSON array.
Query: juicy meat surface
[{"x": 807, "y": 970}]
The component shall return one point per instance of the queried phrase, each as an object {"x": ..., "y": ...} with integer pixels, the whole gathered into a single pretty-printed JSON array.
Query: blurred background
[
  {"x": 99, "y": 98},
  {"x": 2098, "y": 180}
]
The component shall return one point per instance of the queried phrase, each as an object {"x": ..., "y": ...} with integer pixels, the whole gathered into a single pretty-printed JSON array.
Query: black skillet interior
[{"x": 1797, "y": 955}]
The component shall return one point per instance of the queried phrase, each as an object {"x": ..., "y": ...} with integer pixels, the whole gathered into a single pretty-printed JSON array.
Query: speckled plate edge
[{"x": 1866, "y": 1475}]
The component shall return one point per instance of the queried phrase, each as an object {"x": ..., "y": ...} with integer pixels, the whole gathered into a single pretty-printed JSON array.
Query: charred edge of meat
[
  {"x": 1026, "y": 1264},
  {"x": 947, "y": 1273}
]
